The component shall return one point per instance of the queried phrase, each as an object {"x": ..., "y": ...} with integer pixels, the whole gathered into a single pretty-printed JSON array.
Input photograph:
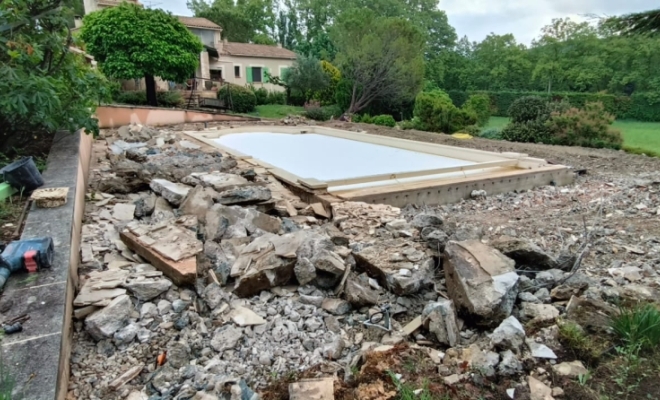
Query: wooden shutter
[{"x": 248, "y": 74}]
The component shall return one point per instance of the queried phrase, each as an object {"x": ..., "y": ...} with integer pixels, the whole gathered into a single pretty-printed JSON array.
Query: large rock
[
  {"x": 526, "y": 254},
  {"x": 226, "y": 337},
  {"x": 244, "y": 195},
  {"x": 423, "y": 220},
  {"x": 384, "y": 261},
  {"x": 162, "y": 210},
  {"x": 266, "y": 262},
  {"x": 146, "y": 289},
  {"x": 102, "y": 324},
  {"x": 592, "y": 314},
  {"x": 233, "y": 221},
  {"x": 172, "y": 192},
  {"x": 510, "y": 335},
  {"x": 197, "y": 202},
  {"x": 329, "y": 269},
  {"x": 481, "y": 281},
  {"x": 217, "y": 180},
  {"x": 305, "y": 271},
  {"x": 538, "y": 313},
  {"x": 436, "y": 239},
  {"x": 144, "y": 206},
  {"x": 359, "y": 293},
  {"x": 440, "y": 319}
]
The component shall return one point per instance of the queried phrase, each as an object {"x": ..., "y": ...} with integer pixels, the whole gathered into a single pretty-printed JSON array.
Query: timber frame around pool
[{"x": 492, "y": 172}]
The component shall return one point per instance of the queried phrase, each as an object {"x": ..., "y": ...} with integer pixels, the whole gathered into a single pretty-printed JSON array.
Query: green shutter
[
  {"x": 248, "y": 74},
  {"x": 265, "y": 80}
]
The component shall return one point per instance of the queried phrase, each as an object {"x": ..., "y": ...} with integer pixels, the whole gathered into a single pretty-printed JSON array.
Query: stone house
[{"x": 237, "y": 63}]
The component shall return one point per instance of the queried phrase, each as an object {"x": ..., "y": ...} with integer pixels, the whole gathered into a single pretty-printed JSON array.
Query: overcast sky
[{"x": 478, "y": 18}]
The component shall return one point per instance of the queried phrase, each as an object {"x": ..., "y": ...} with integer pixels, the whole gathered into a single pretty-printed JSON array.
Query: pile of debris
[{"x": 204, "y": 277}]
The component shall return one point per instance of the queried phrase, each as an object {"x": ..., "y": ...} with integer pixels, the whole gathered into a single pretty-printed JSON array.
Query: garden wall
[{"x": 115, "y": 116}]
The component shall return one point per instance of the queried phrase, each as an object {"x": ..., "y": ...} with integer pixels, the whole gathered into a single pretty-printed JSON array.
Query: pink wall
[{"x": 112, "y": 117}]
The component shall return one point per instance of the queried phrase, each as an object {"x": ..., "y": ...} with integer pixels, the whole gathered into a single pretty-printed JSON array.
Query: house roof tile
[
  {"x": 256, "y": 50},
  {"x": 196, "y": 22}
]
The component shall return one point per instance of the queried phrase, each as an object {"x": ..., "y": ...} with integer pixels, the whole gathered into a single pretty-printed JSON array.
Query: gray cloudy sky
[{"x": 477, "y": 18}]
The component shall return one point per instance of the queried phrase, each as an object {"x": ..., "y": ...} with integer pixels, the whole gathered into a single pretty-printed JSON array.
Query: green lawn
[
  {"x": 276, "y": 111},
  {"x": 638, "y": 137}
]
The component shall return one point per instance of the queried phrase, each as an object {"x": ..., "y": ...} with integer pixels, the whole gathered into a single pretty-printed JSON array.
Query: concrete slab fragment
[{"x": 312, "y": 389}]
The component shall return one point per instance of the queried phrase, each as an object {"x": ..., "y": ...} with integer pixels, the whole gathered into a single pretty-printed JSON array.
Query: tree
[
  {"x": 131, "y": 42},
  {"x": 640, "y": 23},
  {"x": 381, "y": 57},
  {"x": 242, "y": 21},
  {"x": 307, "y": 76},
  {"x": 45, "y": 87}
]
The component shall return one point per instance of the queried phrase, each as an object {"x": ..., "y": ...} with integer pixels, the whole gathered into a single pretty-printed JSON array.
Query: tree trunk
[
  {"x": 351, "y": 108},
  {"x": 150, "y": 83}
]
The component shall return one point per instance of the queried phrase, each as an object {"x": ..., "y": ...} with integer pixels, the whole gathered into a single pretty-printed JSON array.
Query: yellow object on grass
[{"x": 460, "y": 135}]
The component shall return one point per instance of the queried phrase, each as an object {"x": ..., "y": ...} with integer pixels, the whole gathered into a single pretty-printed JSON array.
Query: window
[
  {"x": 216, "y": 74},
  {"x": 256, "y": 74},
  {"x": 237, "y": 71}
]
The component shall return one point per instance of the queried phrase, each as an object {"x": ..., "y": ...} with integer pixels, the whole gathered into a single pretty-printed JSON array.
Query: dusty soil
[{"x": 10, "y": 212}]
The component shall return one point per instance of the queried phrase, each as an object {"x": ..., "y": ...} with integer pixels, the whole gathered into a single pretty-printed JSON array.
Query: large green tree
[
  {"x": 306, "y": 75},
  {"x": 131, "y": 42},
  {"x": 45, "y": 86},
  {"x": 381, "y": 57},
  {"x": 241, "y": 21}
]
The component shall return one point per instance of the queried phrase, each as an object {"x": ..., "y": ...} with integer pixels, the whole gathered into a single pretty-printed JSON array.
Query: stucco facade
[{"x": 248, "y": 68}]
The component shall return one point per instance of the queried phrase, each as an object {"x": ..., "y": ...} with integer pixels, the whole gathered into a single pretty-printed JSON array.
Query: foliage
[
  {"x": 327, "y": 95},
  {"x": 45, "y": 87},
  {"x": 238, "y": 98},
  {"x": 437, "y": 113},
  {"x": 131, "y": 42},
  {"x": 490, "y": 133},
  {"x": 644, "y": 22},
  {"x": 574, "y": 339},
  {"x": 276, "y": 98},
  {"x": 638, "y": 327},
  {"x": 317, "y": 113},
  {"x": 480, "y": 105},
  {"x": 529, "y": 108},
  {"x": 384, "y": 120},
  {"x": 334, "y": 111},
  {"x": 277, "y": 111},
  {"x": 306, "y": 76},
  {"x": 7, "y": 382},
  {"x": 534, "y": 131},
  {"x": 588, "y": 127},
  {"x": 382, "y": 57},
  {"x": 261, "y": 94},
  {"x": 473, "y": 130},
  {"x": 139, "y": 97},
  {"x": 241, "y": 21}
]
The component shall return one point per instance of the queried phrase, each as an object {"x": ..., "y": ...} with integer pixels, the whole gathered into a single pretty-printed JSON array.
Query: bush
[
  {"x": 327, "y": 95},
  {"x": 529, "y": 108},
  {"x": 238, "y": 98},
  {"x": 169, "y": 99},
  {"x": 262, "y": 96},
  {"x": 534, "y": 131},
  {"x": 333, "y": 111},
  {"x": 134, "y": 97},
  {"x": 364, "y": 118},
  {"x": 385, "y": 120},
  {"x": 480, "y": 105},
  {"x": 472, "y": 130},
  {"x": 589, "y": 127},
  {"x": 317, "y": 113},
  {"x": 276, "y": 98},
  {"x": 437, "y": 113},
  {"x": 491, "y": 133}
]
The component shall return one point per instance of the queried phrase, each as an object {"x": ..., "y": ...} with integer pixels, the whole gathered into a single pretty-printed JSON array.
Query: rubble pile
[{"x": 202, "y": 277}]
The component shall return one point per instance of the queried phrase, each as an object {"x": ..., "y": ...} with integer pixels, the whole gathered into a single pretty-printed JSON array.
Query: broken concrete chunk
[
  {"x": 219, "y": 181},
  {"x": 336, "y": 306},
  {"x": 538, "y": 390},
  {"x": 126, "y": 377},
  {"x": 225, "y": 221},
  {"x": 538, "y": 313},
  {"x": 226, "y": 337},
  {"x": 435, "y": 239},
  {"x": 147, "y": 289},
  {"x": 509, "y": 365},
  {"x": 243, "y": 316},
  {"x": 123, "y": 212},
  {"x": 144, "y": 206},
  {"x": 197, "y": 202},
  {"x": 244, "y": 195},
  {"x": 423, "y": 220},
  {"x": 336, "y": 236},
  {"x": 162, "y": 210},
  {"x": 101, "y": 287},
  {"x": 172, "y": 192},
  {"x": 510, "y": 335},
  {"x": 481, "y": 281},
  {"x": 526, "y": 254},
  {"x": 571, "y": 369},
  {"x": 329, "y": 269},
  {"x": 305, "y": 271},
  {"x": 360, "y": 294},
  {"x": 102, "y": 324},
  {"x": 440, "y": 319},
  {"x": 539, "y": 350}
]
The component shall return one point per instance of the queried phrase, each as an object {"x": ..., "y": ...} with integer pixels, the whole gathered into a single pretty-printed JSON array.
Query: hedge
[{"x": 639, "y": 106}]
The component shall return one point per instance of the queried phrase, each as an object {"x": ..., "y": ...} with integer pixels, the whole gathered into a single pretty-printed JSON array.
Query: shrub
[
  {"x": 134, "y": 97},
  {"x": 366, "y": 119},
  {"x": 472, "y": 130},
  {"x": 491, "y": 133},
  {"x": 589, "y": 127},
  {"x": 327, "y": 95},
  {"x": 316, "y": 112},
  {"x": 238, "y": 98},
  {"x": 408, "y": 124},
  {"x": 333, "y": 111},
  {"x": 534, "y": 131},
  {"x": 262, "y": 96},
  {"x": 480, "y": 105},
  {"x": 529, "y": 108},
  {"x": 276, "y": 98},
  {"x": 169, "y": 98},
  {"x": 384, "y": 120},
  {"x": 437, "y": 113}
]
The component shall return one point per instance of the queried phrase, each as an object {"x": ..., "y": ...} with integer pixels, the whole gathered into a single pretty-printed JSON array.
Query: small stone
[
  {"x": 571, "y": 369},
  {"x": 333, "y": 349},
  {"x": 510, "y": 365},
  {"x": 164, "y": 307},
  {"x": 451, "y": 380},
  {"x": 172, "y": 192},
  {"x": 226, "y": 337},
  {"x": 422, "y": 220},
  {"x": 102, "y": 324},
  {"x": 538, "y": 313},
  {"x": 539, "y": 350},
  {"x": 557, "y": 392},
  {"x": 178, "y": 354},
  {"x": 510, "y": 335},
  {"x": 147, "y": 289},
  {"x": 336, "y": 306},
  {"x": 538, "y": 390}
]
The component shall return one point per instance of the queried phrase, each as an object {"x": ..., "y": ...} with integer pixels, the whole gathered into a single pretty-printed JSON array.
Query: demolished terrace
[{"x": 206, "y": 273}]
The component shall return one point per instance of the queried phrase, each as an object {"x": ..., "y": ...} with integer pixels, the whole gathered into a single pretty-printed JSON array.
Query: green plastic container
[{"x": 6, "y": 191}]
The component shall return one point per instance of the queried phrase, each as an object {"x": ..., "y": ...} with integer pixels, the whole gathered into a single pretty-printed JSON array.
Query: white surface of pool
[{"x": 328, "y": 158}]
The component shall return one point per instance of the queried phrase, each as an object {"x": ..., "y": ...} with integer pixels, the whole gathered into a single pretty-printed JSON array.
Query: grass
[
  {"x": 407, "y": 392},
  {"x": 276, "y": 111},
  {"x": 638, "y": 137},
  {"x": 638, "y": 328},
  {"x": 7, "y": 383}
]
